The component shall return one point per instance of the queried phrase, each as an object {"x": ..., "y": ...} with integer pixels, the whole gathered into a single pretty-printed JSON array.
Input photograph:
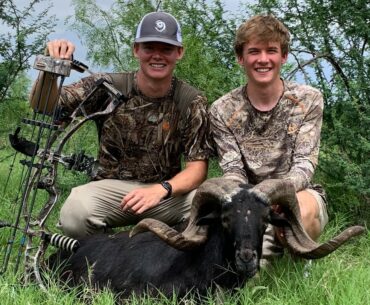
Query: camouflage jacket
[
  {"x": 137, "y": 141},
  {"x": 280, "y": 143}
]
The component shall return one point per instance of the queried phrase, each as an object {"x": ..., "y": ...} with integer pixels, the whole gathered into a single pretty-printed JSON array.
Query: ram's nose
[
  {"x": 247, "y": 262},
  {"x": 247, "y": 255}
]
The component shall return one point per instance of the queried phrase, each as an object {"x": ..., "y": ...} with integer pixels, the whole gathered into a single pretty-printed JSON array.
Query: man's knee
[
  {"x": 76, "y": 213},
  {"x": 172, "y": 210},
  {"x": 314, "y": 218}
]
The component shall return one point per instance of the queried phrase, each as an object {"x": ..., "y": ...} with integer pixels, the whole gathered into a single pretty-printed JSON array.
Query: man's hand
[
  {"x": 140, "y": 200},
  {"x": 61, "y": 48},
  {"x": 279, "y": 232}
]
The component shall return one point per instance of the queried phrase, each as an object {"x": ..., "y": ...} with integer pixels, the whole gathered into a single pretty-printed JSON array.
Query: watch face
[{"x": 168, "y": 188}]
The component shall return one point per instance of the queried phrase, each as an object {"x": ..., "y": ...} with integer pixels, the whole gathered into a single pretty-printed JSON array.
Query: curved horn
[
  {"x": 278, "y": 191},
  {"x": 307, "y": 248},
  {"x": 208, "y": 198},
  {"x": 282, "y": 192}
]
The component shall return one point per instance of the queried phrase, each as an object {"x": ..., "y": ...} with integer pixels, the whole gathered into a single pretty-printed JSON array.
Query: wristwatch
[{"x": 168, "y": 187}]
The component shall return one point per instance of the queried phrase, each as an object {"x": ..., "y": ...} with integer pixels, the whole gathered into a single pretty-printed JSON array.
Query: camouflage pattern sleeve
[
  {"x": 307, "y": 144},
  {"x": 194, "y": 135},
  {"x": 229, "y": 154},
  {"x": 72, "y": 95},
  {"x": 282, "y": 143}
]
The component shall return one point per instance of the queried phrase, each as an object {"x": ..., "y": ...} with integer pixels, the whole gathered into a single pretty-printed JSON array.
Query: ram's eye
[{"x": 225, "y": 222}]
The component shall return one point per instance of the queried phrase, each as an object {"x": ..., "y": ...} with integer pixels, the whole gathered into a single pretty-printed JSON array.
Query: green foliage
[
  {"x": 344, "y": 164},
  {"x": 214, "y": 170},
  {"x": 19, "y": 89},
  {"x": 209, "y": 61},
  {"x": 108, "y": 35},
  {"x": 25, "y": 37},
  {"x": 14, "y": 109}
]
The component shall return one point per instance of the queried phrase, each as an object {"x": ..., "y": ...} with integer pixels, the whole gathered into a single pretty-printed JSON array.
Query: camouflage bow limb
[{"x": 43, "y": 154}]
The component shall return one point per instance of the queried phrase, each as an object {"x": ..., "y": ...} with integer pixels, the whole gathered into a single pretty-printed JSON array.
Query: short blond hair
[{"x": 264, "y": 28}]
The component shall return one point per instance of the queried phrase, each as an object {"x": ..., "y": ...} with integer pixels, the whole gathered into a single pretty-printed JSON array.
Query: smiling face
[
  {"x": 262, "y": 62},
  {"x": 262, "y": 46},
  {"x": 157, "y": 60}
]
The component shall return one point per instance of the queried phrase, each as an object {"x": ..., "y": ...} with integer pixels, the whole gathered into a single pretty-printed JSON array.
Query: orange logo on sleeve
[{"x": 166, "y": 125}]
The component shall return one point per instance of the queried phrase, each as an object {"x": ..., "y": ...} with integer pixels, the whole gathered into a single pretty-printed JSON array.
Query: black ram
[{"x": 220, "y": 245}]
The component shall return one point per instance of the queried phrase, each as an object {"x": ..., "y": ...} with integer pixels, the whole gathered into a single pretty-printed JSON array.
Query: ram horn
[
  {"x": 282, "y": 192},
  {"x": 207, "y": 200}
]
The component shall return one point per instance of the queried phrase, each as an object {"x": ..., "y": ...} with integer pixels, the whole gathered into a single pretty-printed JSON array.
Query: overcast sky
[{"x": 63, "y": 8}]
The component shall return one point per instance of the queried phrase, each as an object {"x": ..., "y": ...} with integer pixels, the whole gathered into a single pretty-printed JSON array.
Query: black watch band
[{"x": 168, "y": 187}]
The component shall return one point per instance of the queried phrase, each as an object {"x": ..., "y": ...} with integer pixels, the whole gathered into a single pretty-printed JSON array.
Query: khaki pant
[
  {"x": 271, "y": 248},
  {"x": 95, "y": 207}
]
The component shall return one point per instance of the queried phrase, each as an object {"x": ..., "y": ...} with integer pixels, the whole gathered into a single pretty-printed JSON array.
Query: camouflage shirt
[
  {"x": 280, "y": 143},
  {"x": 137, "y": 141}
]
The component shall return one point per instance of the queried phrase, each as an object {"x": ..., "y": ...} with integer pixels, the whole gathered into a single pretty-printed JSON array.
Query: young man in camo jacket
[
  {"x": 142, "y": 142},
  {"x": 270, "y": 127}
]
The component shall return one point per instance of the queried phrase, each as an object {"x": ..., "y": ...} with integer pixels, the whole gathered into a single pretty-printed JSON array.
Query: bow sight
[{"x": 41, "y": 144}]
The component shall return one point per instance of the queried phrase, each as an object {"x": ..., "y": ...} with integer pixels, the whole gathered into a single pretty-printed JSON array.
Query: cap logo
[{"x": 160, "y": 26}]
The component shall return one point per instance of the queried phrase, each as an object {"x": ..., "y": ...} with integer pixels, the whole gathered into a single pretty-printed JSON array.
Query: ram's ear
[
  {"x": 208, "y": 219},
  {"x": 278, "y": 220}
]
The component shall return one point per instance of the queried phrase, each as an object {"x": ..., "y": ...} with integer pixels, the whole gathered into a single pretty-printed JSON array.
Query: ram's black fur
[
  {"x": 145, "y": 262},
  {"x": 221, "y": 244}
]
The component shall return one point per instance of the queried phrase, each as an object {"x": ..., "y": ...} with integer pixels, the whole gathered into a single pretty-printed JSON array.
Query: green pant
[{"x": 95, "y": 207}]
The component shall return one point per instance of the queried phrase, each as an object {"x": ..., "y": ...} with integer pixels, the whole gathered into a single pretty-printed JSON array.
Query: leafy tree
[
  {"x": 18, "y": 91},
  {"x": 25, "y": 36}
]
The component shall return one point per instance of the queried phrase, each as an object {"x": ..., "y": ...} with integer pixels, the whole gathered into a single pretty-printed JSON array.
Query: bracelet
[{"x": 168, "y": 187}]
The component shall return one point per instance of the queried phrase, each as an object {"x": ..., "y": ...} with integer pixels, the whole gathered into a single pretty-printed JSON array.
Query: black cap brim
[{"x": 159, "y": 39}]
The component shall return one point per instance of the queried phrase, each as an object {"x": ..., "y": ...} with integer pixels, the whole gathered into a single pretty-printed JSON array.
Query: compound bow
[{"x": 43, "y": 152}]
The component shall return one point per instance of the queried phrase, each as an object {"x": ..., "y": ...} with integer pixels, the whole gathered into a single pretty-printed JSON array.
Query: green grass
[{"x": 342, "y": 278}]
